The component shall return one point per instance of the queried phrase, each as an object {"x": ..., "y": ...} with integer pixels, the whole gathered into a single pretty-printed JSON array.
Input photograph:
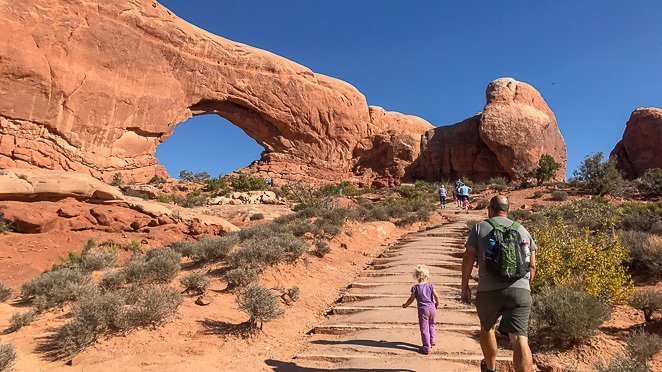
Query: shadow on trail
[
  {"x": 280, "y": 366},
  {"x": 372, "y": 343},
  {"x": 219, "y": 328}
]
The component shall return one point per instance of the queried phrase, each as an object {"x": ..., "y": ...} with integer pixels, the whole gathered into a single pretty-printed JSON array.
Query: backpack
[{"x": 505, "y": 257}]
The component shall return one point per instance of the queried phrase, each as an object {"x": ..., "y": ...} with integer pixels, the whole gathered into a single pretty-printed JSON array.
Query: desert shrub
[
  {"x": 566, "y": 316},
  {"x": 408, "y": 192},
  {"x": 649, "y": 301},
  {"x": 54, "y": 288},
  {"x": 113, "y": 280},
  {"x": 188, "y": 176},
  {"x": 185, "y": 249},
  {"x": 153, "y": 305},
  {"x": 328, "y": 190},
  {"x": 93, "y": 257},
  {"x": 156, "y": 180},
  {"x": 306, "y": 197},
  {"x": 501, "y": 181},
  {"x": 117, "y": 180},
  {"x": 158, "y": 265},
  {"x": 594, "y": 214},
  {"x": 413, "y": 217},
  {"x": 5, "y": 293},
  {"x": 591, "y": 261},
  {"x": 559, "y": 195},
  {"x": 642, "y": 346},
  {"x": 20, "y": 320},
  {"x": 195, "y": 283},
  {"x": 293, "y": 293},
  {"x": 241, "y": 276},
  {"x": 260, "y": 305},
  {"x": 640, "y": 216},
  {"x": 247, "y": 182},
  {"x": 71, "y": 338},
  {"x": 301, "y": 227},
  {"x": 263, "y": 251},
  {"x": 622, "y": 363},
  {"x": 651, "y": 182},
  {"x": 321, "y": 248},
  {"x": 164, "y": 198},
  {"x": 330, "y": 223},
  {"x": 193, "y": 199},
  {"x": 538, "y": 194},
  {"x": 645, "y": 250},
  {"x": 214, "y": 249},
  {"x": 5, "y": 225},
  {"x": 546, "y": 170},
  {"x": 482, "y": 203},
  {"x": 218, "y": 186},
  {"x": 596, "y": 176},
  {"x": 7, "y": 356},
  {"x": 262, "y": 231},
  {"x": 257, "y": 217}
]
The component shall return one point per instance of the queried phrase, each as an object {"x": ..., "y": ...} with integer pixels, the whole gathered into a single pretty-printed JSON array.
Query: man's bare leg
[
  {"x": 522, "y": 358},
  {"x": 489, "y": 345}
]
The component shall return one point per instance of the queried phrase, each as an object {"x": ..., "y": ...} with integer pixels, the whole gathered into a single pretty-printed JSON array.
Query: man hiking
[
  {"x": 463, "y": 191},
  {"x": 506, "y": 264},
  {"x": 442, "y": 196}
]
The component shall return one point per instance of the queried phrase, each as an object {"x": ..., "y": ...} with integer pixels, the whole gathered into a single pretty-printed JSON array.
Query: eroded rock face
[
  {"x": 507, "y": 138},
  {"x": 639, "y": 150},
  {"x": 96, "y": 86}
]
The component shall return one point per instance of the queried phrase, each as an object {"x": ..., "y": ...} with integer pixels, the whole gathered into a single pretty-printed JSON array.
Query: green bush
[
  {"x": 566, "y": 316},
  {"x": 547, "y": 168},
  {"x": 248, "y": 182},
  {"x": 5, "y": 293},
  {"x": 185, "y": 249},
  {"x": 117, "y": 180},
  {"x": 500, "y": 181},
  {"x": 7, "y": 356},
  {"x": 257, "y": 217},
  {"x": 309, "y": 198},
  {"x": 188, "y": 176},
  {"x": 218, "y": 186},
  {"x": 193, "y": 199},
  {"x": 482, "y": 203},
  {"x": 154, "y": 305},
  {"x": 113, "y": 280},
  {"x": 195, "y": 283},
  {"x": 158, "y": 265},
  {"x": 595, "y": 214},
  {"x": 640, "y": 216},
  {"x": 5, "y": 225},
  {"x": 559, "y": 195},
  {"x": 264, "y": 251},
  {"x": 20, "y": 320},
  {"x": 642, "y": 346},
  {"x": 156, "y": 180},
  {"x": 596, "y": 176},
  {"x": 54, "y": 288},
  {"x": 651, "y": 182},
  {"x": 92, "y": 258},
  {"x": 538, "y": 194},
  {"x": 321, "y": 248},
  {"x": 649, "y": 301},
  {"x": 260, "y": 305},
  {"x": 214, "y": 249},
  {"x": 645, "y": 250},
  {"x": 622, "y": 363},
  {"x": 241, "y": 277}
]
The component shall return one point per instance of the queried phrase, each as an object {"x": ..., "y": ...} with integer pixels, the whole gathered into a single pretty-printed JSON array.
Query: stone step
[
  {"x": 339, "y": 329},
  {"x": 404, "y": 317},
  {"x": 344, "y": 309}
]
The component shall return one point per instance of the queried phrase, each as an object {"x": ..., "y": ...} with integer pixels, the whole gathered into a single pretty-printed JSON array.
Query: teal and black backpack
[{"x": 505, "y": 257}]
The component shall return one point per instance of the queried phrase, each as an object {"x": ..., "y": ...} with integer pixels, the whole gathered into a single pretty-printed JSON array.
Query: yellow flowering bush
[{"x": 572, "y": 256}]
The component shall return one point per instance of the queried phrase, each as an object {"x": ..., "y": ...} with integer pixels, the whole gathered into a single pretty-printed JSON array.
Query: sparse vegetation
[
  {"x": 195, "y": 198},
  {"x": 321, "y": 248},
  {"x": 547, "y": 168},
  {"x": 217, "y": 186},
  {"x": 565, "y": 316},
  {"x": 651, "y": 182},
  {"x": 156, "y": 180},
  {"x": 157, "y": 266},
  {"x": 7, "y": 356},
  {"x": 597, "y": 176},
  {"x": 538, "y": 194},
  {"x": 212, "y": 249},
  {"x": 195, "y": 283},
  {"x": 247, "y": 182},
  {"x": 498, "y": 183},
  {"x": 559, "y": 195},
  {"x": 5, "y": 293},
  {"x": 260, "y": 305},
  {"x": 188, "y": 176},
  {"x": 257, "y": 217},
  {"x": 20, "y": 320},
  {"x": 645, "y": 250},
  {"x": 482, "y": 203},
  {"x": 117, "y": 180},
  {"x": 649, "y": 301},
  {"x": 241, "y": 277},
  {"x": 640, "y": 348},
  {"x": 5, "y": 225},
  {"x": 54, "y": 288}
]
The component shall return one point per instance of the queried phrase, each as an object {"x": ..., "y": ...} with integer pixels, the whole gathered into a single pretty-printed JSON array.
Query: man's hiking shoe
[{"x": 483, "y": 367}]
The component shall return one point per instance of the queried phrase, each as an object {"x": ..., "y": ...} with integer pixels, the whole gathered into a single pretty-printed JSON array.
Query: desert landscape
[{"x": 299, "y": 261}]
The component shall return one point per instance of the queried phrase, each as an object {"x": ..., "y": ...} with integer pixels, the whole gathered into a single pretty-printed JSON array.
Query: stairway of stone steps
[{"x": 367, "y": 329}]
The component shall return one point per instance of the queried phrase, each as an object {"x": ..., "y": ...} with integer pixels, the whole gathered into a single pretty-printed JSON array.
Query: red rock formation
[
  {"x": 508, "y": 138},
  {"x": 96, "y": 86},
  {"x": 639, "y": 150}
]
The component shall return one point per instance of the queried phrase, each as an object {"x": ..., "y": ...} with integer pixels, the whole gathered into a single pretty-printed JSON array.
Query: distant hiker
[
  {"x": 506, "y": 265},
  {"x": 442, "y": 196},
  {"x": 427, "y": 300},
  {"x": 463, "y": 191},
  {"x": 341, "y": 188}
]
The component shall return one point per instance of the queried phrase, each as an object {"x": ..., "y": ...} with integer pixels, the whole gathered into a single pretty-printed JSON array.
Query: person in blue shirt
[
  {"x": 442, "y": 196},
  {"x": 464, "y": 196}
]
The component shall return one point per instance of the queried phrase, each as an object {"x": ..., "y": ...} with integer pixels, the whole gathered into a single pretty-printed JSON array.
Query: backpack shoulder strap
[
  {"x": 515, "y": 226},
  {"x": 495, "y": 225}
]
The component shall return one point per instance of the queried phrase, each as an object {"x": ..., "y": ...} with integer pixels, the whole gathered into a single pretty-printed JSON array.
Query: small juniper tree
[
  {"x": 597, "y": 176},
  {"x": 547, "y": 168}
]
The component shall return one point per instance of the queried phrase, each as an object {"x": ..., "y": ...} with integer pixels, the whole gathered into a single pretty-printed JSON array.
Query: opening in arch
[{"x": 207, "y": 143}]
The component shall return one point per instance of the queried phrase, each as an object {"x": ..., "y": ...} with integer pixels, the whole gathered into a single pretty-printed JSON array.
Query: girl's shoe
[
  {"x": 425, "y": 351},
  {"x": 483, "y": 367}
]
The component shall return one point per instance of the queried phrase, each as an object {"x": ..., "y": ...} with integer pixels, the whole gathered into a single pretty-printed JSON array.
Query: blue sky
[{"x": 593, "y": 61}]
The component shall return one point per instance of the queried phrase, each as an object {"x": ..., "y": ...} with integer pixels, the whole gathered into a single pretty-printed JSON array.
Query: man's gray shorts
[{"x": 514, "y": 304}]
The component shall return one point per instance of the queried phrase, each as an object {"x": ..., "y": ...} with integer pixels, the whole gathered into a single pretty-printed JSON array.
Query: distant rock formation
[
  {"x": 96, "y": 86},
  {"x": 640, "y": 150},
  {"x": 508, "y": 138}
]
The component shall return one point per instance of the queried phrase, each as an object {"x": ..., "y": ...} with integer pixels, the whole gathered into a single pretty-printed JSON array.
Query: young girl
[{"x": 427, "y": 300}]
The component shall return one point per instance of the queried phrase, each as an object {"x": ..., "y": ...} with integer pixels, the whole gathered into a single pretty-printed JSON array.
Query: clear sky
[{"x": 593, "y": 61}]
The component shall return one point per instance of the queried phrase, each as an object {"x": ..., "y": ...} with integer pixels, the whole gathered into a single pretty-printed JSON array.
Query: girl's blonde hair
[{"x": 421, "y": 272}]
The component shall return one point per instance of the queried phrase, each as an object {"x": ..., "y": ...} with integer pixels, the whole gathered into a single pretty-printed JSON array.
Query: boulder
[
  {"x": 97, "y": 85},
  {"x": 508, "y": 138},
  {"x": 639, "y": 150},
  {"x": 43, "y": 184}
]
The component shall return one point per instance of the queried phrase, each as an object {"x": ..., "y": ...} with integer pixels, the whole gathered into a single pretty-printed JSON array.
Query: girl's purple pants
[{"x": 426, "y": 324}]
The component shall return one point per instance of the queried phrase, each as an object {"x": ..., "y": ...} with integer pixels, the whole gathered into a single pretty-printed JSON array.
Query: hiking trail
[{"x": 368, "y": 328}]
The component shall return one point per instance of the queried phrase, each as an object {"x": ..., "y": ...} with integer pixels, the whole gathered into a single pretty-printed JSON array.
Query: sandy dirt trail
[{"x": 368, "y": 328}]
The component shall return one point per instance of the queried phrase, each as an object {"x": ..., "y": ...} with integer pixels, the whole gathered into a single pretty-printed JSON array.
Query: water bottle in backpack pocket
[{"x": 507, "y": 256}]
